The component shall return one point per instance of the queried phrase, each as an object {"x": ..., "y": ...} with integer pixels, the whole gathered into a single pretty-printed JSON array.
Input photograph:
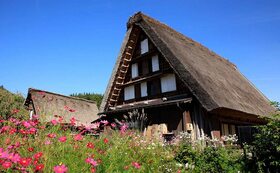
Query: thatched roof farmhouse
[{"x": 180, "y": 83}]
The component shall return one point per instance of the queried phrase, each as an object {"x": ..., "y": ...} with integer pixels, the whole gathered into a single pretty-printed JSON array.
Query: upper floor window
[
  {"x": 153, "y": 87},
  {"x": 144, "y": 46},
  {"x": 144, "y": 91},
  {"x": 155, "y": 63},
  {"x": 168, "y": 83},
  {"x": 129, "y": 92},
  {"x": 134, "y": 70}
]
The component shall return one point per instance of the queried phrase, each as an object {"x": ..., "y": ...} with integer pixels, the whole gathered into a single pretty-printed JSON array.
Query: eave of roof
[{"x": 147, "y": 104}]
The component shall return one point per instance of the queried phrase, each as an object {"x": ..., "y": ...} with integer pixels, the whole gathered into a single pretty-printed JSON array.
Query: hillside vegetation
[
  {"x": 11, "y": 104},
  {"x": 90, "y": 96}
]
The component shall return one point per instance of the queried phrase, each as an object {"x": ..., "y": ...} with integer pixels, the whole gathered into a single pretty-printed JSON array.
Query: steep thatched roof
[
  {"x": 213, "y": 80},
  {"x": 48, "y": 104}
]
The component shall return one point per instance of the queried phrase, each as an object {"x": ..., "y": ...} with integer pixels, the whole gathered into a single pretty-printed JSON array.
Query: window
[
  {"x": 134, "y": 70},
  {"x": 228, "y": 129},
  {"x": 153, "y": 87},
  {"x": 144, "y": 92},
  {"x": 168, "y": 83},
  {"x": 144, "y": 46},
  {"x": 145, "y": 67},
  {"x": 129, "y": 93},
  {"x": 155, "y": 63}
]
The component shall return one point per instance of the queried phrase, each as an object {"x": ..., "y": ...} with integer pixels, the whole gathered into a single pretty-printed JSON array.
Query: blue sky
[{"x": 70, "y": 46}]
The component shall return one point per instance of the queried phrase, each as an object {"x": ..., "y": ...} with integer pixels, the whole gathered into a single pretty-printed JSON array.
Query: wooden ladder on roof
[{"x": 123, "y": 67}]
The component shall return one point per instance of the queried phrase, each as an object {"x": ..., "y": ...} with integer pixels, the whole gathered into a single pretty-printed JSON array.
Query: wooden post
[{"x": 187, "y": 126}]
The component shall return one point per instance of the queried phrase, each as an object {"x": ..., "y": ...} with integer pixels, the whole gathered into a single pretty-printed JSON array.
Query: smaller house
[{"x": 48, "y": 105}]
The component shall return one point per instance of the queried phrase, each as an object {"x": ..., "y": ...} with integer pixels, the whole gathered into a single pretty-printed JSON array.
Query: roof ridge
[
  {"x": 70, "y": 97},
  {"x": 137, "y": 17}
]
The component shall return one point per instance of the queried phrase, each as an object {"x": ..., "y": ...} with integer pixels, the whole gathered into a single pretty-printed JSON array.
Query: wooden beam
[
  {"x": 127, "y": 53},
  {"x": 125, "y": 66},
  {"x": 118, "y": 83},
  {"x": 127, "y": 59},
  {"x": 144, "y": 78},
  {"x": 122, "y": 71},
  {"x": 118, "y": 89},
  {"x": 113, "y": 100}
]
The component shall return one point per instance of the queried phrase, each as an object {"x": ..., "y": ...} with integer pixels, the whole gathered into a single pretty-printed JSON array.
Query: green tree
[
  {"x": 275, "y": 104},
  {"x": 90, "y": 96},
  {"x": 266, "y": 147}
]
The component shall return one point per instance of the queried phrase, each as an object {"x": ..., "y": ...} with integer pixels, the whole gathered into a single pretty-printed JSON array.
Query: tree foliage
[
  {"x": 90, "y": 96},
  {"x": 266, "y": 146},
  {"x": 275, "y": 104},
  {"x": 10, "y": 104}
]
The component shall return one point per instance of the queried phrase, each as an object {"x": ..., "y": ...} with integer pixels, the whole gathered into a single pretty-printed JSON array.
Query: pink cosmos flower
[
  {"x": 62, "y": 139},
  {"x": 4, "y": 129},
  {"x": 12, "y": 131},
  {"x": 78, "y": 137},
  {"x": 14, "y": 157},
  {"x": 105, "y": 122},
  {"x": 26, "y": 124},
  {"x": 124, "y": 128},
  {"x": 113, "y": 125},
  {"x": 17, "y": 144},
  {"x": 38, "y": 155},
  {"x": 54, "y": 122},
  {"x": 21, "y": 131},
  {"x": 95, "y": 125},
  {"x": 12, "y": 120},
  {"x": 48, "y": 142},
  {"x": 60, "y": 169},
  {"x": 73, "y": 121},
  {"x": 25, "y": 161},
  {"x": 105, "y": 140},
  {"x": 35, "y": 117},
  {"x": 4, "y": 154},
  {"x": 91, "y": 161},
  {"x": 7, "y": 165},
  {"x": 90, "y": 145},
  {"x": 39, "y": 167},
  {"x": 32, "y": 123},
  {"x": 136, "y": 165},
  {"x": 51, "y": 135},
  {"x": 32, "y": 130}
]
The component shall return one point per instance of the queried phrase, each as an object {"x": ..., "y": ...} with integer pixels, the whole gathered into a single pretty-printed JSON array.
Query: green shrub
[
  {"x": 212, "y": 158},
  {"x": 265, "y": 147},
  {"x": 218, "y": 159}
]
